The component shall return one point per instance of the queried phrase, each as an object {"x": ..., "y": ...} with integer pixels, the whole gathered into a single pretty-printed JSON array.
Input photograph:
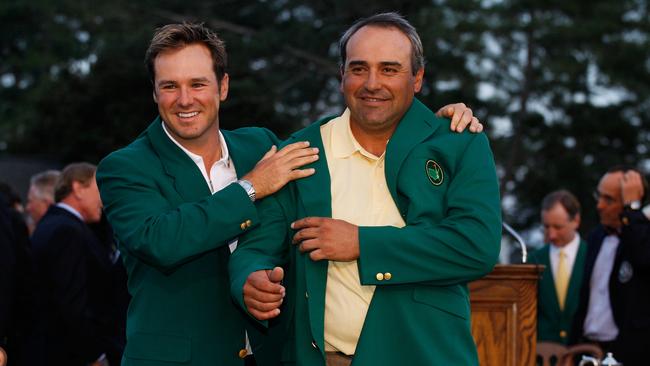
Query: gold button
[
  {"x": 242, "y": 353},
  {"x": 243, "y": 226},
  {"x": 625, "y": 220},
  {"x": 249, "y": 223},
  {"x": 387, "y": 276},
  {"x": 380, "y": 276},
  {"x": 563, "y": 334}
]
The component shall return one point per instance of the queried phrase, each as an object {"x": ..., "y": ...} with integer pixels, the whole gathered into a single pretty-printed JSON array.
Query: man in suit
[
  {"x": 399, "y": 216},
  {"x": 614, "y": 309},
  {"x": 73, "y": 276},
  {"x": 180, "y": 195},
  {"x": 564, "y": 258}
]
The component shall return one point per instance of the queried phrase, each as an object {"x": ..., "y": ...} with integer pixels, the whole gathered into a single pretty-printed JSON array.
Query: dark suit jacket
[
  {"x": 16, "y": 285},
  {"x": 7, "y": 272},
  {"x": 421, "y": 314},
  {"x": 629, "y": 288},
  {"x": 174, "y": 235},
  {"x": 553, "y": 324},
  {"x": 73, "y": 273}
]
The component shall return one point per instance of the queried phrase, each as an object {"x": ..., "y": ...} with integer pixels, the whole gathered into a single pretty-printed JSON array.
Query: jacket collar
[{"x": 187, "y": 177}]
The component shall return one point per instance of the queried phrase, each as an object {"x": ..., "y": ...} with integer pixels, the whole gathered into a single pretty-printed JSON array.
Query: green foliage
[{"x": 561, "y": 85}]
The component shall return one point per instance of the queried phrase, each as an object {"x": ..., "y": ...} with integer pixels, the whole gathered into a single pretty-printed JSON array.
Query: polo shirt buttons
[
  {"x": 242, "y": 353},
  {"x": 563, "y": 334},
  {"x": 388, "y": 276},
  {"x": 243, "y": 226},
  {"x": 379, "y": 276}
]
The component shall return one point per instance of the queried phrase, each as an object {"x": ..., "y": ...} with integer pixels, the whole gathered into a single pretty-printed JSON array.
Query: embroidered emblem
[
  {"x": 434, "y": 172},
  {"x": 626, "y": 272}
]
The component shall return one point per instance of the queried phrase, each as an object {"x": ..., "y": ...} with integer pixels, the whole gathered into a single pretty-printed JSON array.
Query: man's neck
[
  {"x": 72, "y": 203},
  {"x": 374, "y": 142},
  {"x": 208, "y": 146}
]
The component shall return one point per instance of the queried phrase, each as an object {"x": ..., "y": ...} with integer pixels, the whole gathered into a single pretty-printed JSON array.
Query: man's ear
[
  {"x": 155, "y": 97},
  {"x": 419, "y": 75},
  {"x": 76, "y": 189},
  {"x": 223, "y": 87}
]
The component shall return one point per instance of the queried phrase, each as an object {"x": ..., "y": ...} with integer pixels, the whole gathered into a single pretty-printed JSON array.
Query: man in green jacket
[
  {"x": 179, "y": 196},
  {"x": 564, "y": 257},
  {"x": 379, "y": 244}
]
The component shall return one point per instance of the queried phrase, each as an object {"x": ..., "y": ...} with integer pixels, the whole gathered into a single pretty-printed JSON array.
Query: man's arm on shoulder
[
  {"x": 460, "y": 247},
  {"x": 461, "y": 117}
]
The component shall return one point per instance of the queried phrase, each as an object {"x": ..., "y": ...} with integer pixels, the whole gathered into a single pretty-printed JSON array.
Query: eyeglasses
[{"x": 609, "y": 200}]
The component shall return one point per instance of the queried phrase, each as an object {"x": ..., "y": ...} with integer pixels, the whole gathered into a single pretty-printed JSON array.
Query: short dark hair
[
  {"x": 179, "y": 35},
  {"x": 564, "y": 198},
  {"x": 387, "y": 20},
  {"x": 83, "y": 173},
  {"x": 625, "y": 168}
]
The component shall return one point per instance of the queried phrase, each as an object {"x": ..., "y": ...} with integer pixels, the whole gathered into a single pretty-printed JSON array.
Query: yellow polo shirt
[{"x": 359, "y": 196}]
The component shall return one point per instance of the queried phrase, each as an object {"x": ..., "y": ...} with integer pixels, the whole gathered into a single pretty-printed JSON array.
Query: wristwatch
[
  {"x": 248, "y": 187},
  {"x": 634, "y": 205}
]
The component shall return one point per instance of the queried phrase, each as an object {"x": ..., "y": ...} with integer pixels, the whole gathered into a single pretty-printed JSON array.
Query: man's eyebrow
[
  {"x": 390, "y": 63},
  {"x": 382, "y": 63},
  {"x": 201, "y": 79},
  {"x": 166, "y": 82},
  {"x": 357, "y": 63}
]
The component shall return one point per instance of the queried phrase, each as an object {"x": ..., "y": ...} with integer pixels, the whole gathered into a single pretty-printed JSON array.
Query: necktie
[{"x": 562, "y": 278}]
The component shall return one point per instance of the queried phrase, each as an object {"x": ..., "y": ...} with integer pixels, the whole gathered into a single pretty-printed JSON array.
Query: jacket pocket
[
  {"x": 448, "y": 299},
  {"x": 159, "y": 347}
]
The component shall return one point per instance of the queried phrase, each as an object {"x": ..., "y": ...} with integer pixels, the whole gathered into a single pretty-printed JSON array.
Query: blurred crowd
[
  {"x": 62, "y": 280},
  {"x": 597, "y": 291}
]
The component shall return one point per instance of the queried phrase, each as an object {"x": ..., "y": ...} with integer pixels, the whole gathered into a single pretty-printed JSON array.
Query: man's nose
[
  {"x": 185, "y": 98},
  {"x": 373, "y": 81}
]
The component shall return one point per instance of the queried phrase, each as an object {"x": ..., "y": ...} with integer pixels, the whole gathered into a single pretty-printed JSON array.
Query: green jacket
[
  {"x": 554, "y": 324},
  {"x": 173, "y": 235},
  {"x": 421, "y": 316}
]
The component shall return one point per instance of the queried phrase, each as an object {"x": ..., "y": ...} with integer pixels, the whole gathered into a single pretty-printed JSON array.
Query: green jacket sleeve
[
  {"x": 263, "y": 248},
  {"x": 461, "y": 246},
  {"x": 155, "y": 224}
]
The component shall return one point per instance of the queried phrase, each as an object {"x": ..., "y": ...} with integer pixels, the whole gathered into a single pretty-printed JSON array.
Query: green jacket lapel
[
  {"x": 316, "y": 198},
  {"x": 416, "y": 125},
  {"x": 242, "y": 158},
  {"x": 547, "y": 284},
  {"x": 315, "y": 190},
  {"x": 187, "y": 177}
]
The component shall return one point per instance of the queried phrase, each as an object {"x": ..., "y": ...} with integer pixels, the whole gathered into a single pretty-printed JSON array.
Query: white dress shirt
[
  {"x": 571, "y": 251},
  {"x": 599, "y": 322}
]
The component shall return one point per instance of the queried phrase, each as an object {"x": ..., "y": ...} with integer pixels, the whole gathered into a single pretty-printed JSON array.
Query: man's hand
[
  {"x": 326, "y": 238},
  {"x": 631, "y": 187},
  {"x": 461, "y": 116},
  {"x": 277, "y": 168},
  {"x": 263, "y": 293}
]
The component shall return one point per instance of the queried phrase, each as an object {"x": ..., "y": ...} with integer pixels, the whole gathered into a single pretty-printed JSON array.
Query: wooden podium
[{"x": 504, "y": 315}]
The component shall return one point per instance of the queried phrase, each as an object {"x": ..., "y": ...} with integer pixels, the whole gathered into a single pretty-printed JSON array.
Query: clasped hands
[{"x": 319, "y": 237}]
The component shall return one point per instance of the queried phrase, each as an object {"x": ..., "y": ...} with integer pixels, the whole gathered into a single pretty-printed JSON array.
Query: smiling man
[
  {"x": 179, "y": 196},
  {"x": 381, "y": 241}
]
